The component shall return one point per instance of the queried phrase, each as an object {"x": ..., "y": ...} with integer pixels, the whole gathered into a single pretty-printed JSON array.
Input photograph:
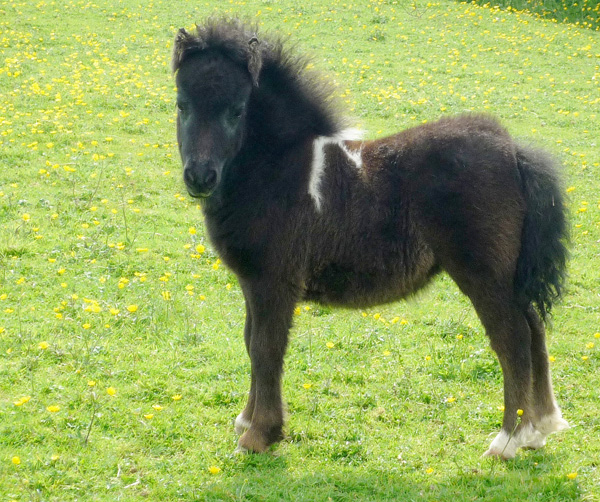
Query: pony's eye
[{"x": 234, "y": 115}]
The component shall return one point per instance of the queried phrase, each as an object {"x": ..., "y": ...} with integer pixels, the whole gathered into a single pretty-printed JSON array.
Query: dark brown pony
[{"x": 300, "y": 208}]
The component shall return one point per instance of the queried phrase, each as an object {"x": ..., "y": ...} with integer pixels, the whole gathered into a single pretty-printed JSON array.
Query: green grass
[
  {"x": 396, "y": 403},
  {"x": 581, "y": 13}
]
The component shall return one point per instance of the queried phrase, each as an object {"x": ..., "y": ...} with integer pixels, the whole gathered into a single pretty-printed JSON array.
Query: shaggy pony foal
[{"x": 300, "y": 208}]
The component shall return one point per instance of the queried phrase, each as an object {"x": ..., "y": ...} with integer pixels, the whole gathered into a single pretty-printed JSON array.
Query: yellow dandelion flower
[
  {"x": 596, "y": 335},
  {"x": 572, "y": 475},
  {"x": 111, "y": 391},
  {"x": 450, "y": 399},
  {"x": 213, "y": 469},
  {"x": 192, "y": 230},
  {"x": 297, "y": 311},
  {"x": 149, "y": 416},
  {"x": 176, "y": 397},
  {"x": 43, "y": 345},
  {"x": 307, "y": 385},
  {"x": 26, "y": 217},
  {"x": 520, "y": 412},
  {"x": 114, "y": 311},
  {"x": 53, "y": 408},
  {"x": 200, "y": 249},
  {"x": 132, "y": 308},
  {"x": 429, "y": 471},
  {"x": 16, "y": 460},
  {"x": 54, "y": 457},
  {"x": 590, "y": 345},
  {"x": 91, "y": 383},
  {"x": 22, "y": 401},
  {"x": 330, "y": 345},
  {"x": 551, "y": 359},
  {"x": 157, "y": 407}
]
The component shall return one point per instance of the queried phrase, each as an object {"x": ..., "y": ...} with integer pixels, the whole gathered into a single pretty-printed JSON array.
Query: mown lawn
[{"x": 122, "y": 363}]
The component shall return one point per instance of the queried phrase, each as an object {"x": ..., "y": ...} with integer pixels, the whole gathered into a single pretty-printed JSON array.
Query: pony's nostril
[
  {"x": 210, "y": 180},
  {"x": 188, "y": 177}
]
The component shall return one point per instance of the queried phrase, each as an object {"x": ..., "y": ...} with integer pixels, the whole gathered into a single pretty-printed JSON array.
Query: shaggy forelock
[{"x": 230, "y": 37}]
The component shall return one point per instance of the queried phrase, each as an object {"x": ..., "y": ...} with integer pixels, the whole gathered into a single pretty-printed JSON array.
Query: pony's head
[
  {"x": 236, "y": 89},
  {"x": 216, "y": 69}
]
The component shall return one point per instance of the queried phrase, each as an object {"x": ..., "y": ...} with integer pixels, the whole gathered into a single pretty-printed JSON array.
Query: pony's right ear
[
  {"x": 255, "y": 59},
  {"x": 182, "y": 41}
]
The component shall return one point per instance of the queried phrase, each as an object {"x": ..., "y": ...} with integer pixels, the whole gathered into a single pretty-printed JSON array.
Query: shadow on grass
[{"x": 270, "y": 478}]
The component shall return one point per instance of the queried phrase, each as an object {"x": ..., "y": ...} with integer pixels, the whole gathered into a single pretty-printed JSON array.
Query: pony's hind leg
[
  {"x": 547, "y": 415},
  {"x": 510, "y": 337}
]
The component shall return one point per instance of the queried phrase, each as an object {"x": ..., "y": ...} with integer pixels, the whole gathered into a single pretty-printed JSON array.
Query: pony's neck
[{"x": 285, "y": 111}]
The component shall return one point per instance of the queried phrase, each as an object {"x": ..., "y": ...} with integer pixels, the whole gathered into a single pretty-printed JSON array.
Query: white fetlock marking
[
  {"x": 552, "y": 423},
  {"x": 506, "y": 446},
  {"x": 241, "y": 424},
  {"x": 529, "y": 437},
  {"x": 502, "y": 446}
]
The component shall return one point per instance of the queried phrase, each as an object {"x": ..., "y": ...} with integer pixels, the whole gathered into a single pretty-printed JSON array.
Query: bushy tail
[{"x": 541, "y": 267}]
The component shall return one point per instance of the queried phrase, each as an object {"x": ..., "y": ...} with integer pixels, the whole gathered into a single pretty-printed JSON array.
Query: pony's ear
[
  {"x": 255, "y": 59},
  {"x": 182, "y": 41}
]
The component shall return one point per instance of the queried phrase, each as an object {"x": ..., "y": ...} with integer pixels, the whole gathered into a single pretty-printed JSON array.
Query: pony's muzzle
[{"x": 201, "y": 178}]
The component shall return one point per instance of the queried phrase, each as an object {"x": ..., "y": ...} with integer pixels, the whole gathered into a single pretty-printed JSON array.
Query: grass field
[{"x": 122, "y": 363}]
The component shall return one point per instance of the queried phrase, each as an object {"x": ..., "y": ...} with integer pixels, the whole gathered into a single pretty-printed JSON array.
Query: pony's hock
[{"x": 299, "y": 207}]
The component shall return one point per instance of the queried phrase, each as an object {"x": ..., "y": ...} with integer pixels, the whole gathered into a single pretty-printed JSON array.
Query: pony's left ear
[
  {"x": 183, "y": 40},
  {"x": 178, "y": 44},
  {"x": 255, "y": 59}
]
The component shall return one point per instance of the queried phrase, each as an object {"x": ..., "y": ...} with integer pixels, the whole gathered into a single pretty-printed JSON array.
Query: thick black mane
[{"x": 289, "y": 96}]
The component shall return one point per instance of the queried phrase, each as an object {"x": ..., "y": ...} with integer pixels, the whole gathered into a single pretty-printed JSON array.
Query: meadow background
[{"x": 122, "y": 363}]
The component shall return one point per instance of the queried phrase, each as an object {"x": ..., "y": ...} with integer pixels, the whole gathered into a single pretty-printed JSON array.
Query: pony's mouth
[{"x": 200, "y": 195}]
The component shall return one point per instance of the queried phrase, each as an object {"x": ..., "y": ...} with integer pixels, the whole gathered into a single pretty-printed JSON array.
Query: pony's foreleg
[
  {"x": 267, "y": 329},
  {"x": 244, "y": 419}
]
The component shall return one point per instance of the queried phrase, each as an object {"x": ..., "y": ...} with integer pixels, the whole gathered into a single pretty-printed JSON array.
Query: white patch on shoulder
[{"x": 317, "y": 168}]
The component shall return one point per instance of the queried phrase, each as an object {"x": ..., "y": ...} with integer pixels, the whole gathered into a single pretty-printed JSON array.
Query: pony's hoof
[{"x": 253, "y": 442}]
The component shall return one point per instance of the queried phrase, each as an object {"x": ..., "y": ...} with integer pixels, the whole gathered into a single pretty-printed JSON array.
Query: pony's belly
[{"x": 345, "y": 287}]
